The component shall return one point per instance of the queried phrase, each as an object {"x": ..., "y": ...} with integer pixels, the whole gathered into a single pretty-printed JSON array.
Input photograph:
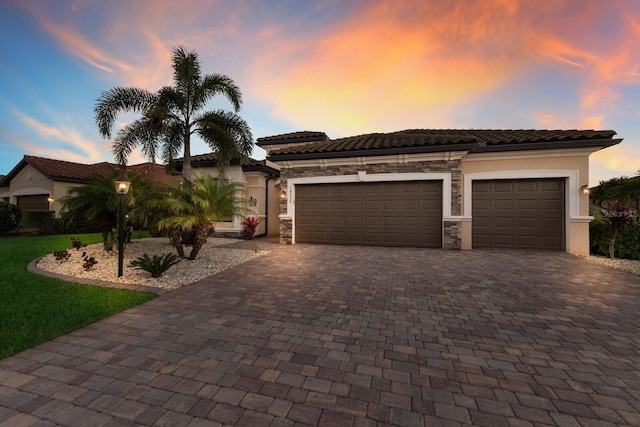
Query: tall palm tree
[
  {"x": 172, "y": 115},
  {"x": 198, "y": 205}
]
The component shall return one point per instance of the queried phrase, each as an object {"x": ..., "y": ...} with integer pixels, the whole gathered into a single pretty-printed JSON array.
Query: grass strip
[{"x": 35, "y": 309}]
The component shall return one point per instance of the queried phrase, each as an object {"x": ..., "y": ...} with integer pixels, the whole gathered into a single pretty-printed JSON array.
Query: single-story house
[
  {"x": 451, "y": 189},
  {"x": 38, "y": 183}
]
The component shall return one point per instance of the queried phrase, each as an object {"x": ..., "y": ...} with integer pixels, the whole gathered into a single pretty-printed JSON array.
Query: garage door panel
[
  {"x": 529, "y": 215},
  {"x": 382, "y": 213},
  {"x": 502, "y": 187}
]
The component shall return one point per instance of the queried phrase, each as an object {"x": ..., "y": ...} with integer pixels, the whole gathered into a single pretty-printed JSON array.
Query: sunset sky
[{"x": 342, "y": 67}]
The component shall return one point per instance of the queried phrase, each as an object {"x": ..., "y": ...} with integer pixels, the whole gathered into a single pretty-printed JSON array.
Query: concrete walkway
[{"x": 352, "y": 336}]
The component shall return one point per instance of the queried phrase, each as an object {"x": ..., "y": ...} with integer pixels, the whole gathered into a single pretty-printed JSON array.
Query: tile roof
[
  {"x": 433, "y": 140},
  {"x": 64, "y": 171},
  {"x": 292, "y": 137},
  {"x": 211, "y": 159}
]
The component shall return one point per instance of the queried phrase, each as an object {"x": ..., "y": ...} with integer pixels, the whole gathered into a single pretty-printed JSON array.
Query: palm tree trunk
[
  {"x": 199, "y": 239},
  {"x": 176, "y": 240},
  {"x": 186, "y": 159}
]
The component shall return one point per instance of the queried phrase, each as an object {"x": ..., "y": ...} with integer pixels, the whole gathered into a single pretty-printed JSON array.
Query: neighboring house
[
  {"x": 38, "y": 183},
  {"x": 259, "y": 181},
  {"x": 451, "y": 189}
]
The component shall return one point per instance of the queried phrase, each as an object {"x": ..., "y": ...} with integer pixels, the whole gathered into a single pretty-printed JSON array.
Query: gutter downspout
[{"x": 266, "y": 206}]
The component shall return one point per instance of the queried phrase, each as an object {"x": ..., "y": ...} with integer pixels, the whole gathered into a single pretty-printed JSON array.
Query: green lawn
[{"x": 35, "y": 309}]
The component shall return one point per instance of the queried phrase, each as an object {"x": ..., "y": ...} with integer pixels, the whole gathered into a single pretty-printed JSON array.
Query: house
[
  {"x": 38, "y": 183},
  {"x": 451, "y": 189}
]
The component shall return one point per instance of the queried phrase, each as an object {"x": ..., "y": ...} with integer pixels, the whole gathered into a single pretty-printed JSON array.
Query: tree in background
[
  {"x": 623, "y": 188},
  {"x": 619, "y": 217},
  {"x": 173, "y": 114}
]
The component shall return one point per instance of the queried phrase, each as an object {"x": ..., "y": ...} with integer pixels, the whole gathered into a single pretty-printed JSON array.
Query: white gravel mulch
[
  {"x": 628, "y": 265},
  {"x": 212, "y": 259}
]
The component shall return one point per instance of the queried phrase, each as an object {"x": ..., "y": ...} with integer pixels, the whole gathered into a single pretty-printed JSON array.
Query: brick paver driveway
[{"x": 352, "y": 336}]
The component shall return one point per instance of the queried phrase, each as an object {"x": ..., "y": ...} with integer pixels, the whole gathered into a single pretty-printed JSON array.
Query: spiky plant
[{"x": 156, "y": 265}]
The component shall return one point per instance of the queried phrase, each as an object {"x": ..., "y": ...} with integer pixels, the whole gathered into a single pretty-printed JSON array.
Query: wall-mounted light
[
  {"x": 50, "y": 199},
  {"x": 585, "y": 189},
  {"x": 253, "y": 201},
  {"x": 283, "y": 194}
]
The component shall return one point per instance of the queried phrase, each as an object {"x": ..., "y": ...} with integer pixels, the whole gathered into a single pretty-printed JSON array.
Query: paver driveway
[{"x": 342, "y": 336}]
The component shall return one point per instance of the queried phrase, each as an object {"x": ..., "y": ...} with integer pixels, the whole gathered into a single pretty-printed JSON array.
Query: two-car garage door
[{"x": 405, "y": 213}]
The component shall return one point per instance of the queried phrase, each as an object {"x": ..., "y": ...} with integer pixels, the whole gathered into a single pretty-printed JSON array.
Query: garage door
[
  {"x": 407, "y": 213},
  {"x": 521, "y": 213}
]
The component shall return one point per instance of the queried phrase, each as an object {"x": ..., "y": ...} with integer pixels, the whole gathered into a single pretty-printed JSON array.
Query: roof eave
[
  {"x": 274, "y": 157},
  {"x": 602, "y": 143}
]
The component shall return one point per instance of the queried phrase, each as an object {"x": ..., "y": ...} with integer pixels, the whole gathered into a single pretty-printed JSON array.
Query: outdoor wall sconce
[
  {"x": 122, "y": 188},
  {"x": 585, "y": 189},
  {"x": 50, "y": 199},
  {"x": 283, "y": 194},
  {"x": 253, "y": 201}
]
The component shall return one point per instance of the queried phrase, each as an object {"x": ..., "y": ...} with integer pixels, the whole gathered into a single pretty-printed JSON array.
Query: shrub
[
  {"x": 627, "y": 242},
  {"x": 156, "y": 265},
  {"x": 249, "y": 227},
  {"x": 42, "y": 221},
  {"x": 76, "y": 243},
  {"x": 89, "y": 262},
  {"x": 10, "y": 216},
  {"x": 62, "y": 255},
  {"x": 75, "y": 224}
]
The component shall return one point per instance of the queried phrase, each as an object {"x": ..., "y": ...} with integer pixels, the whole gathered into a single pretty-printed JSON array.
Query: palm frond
[
  {"x": 119, "y": 100},
  {"x": 227, "y": 134},
  {"x": 219, "y": 84}
]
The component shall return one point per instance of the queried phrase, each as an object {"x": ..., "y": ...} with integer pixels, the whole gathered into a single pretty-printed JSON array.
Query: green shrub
[
  {"x": 10, "y": 216},
  {"x": 627, "y": 242},
  {"x": 75, "y": 224},
  {"x": 156, "y": 265},
  {"x": 42, "y": 221}
]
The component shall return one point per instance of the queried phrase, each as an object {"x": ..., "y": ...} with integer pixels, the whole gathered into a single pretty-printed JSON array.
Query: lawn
[{"x": 35, "y": 309}]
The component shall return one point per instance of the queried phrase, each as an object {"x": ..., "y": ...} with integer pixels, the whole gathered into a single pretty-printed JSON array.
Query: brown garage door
[
  {"x": 519, "y": 213},
  {"x": 374, "y": 213}
]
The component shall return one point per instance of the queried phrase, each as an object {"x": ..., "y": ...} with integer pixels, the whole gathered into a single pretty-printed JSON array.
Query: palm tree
[
  {"x": 173, "y": 114},
  {"x": 197, "y": 205},
  {"x": 94, "y": 201},
  {"x": 623, "y": 188}
]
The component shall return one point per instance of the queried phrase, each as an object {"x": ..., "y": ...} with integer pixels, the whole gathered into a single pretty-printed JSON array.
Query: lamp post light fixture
[{"x": 122, "y": 188}]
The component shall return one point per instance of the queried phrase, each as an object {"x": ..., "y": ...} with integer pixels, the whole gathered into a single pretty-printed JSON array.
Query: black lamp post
[{"x": 122, "y": 188}]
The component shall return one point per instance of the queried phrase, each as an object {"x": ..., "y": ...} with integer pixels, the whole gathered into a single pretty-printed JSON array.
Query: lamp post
[{"x": 122, "y": 188}]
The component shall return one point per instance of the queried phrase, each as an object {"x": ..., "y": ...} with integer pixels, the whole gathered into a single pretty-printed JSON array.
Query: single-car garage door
[
  {"x": 407, "y": 213},
  {"x": 518, "y": 213}
]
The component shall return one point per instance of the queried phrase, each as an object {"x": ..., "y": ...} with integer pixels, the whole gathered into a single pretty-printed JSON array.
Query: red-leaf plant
[{"x": 250, "y": 225}]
